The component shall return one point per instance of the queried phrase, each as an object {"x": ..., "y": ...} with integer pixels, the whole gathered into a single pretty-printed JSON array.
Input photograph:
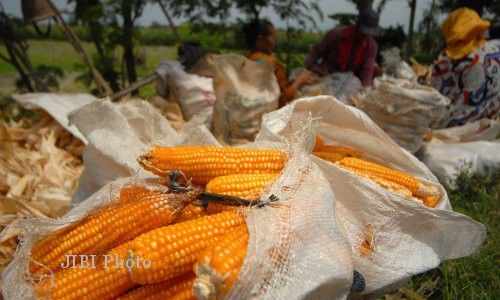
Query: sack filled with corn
[
  {"x": 396, "y": 215},
  {"x": 145, "y": 243}
]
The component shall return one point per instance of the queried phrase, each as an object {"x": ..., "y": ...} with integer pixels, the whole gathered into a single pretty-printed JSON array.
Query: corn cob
[
  {"x": 319, "y": 144},
  {"x": 172, "y": 250},
  {"x": 386, "y": 184},
  {"x": 429, "y": 201},
  {"x": 406, "y": 180},
  {"x": 246, "y": 186},
  {"x": 217, "y": 267},
  {"x": 190, "y": 212},
  {"x": 108, "y": 228},
  {"x": 330, "y": 156},
  {"x": 179, "y": 288},
  {"x": 132, "y": 193},
  {"x": 107, "y": 280},
  {"x": 348, "y": 152},
  {"x": 202, "y": 163}
]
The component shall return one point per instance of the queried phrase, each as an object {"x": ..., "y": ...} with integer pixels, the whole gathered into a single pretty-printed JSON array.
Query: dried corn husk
[{"x": 39, "y": 171}]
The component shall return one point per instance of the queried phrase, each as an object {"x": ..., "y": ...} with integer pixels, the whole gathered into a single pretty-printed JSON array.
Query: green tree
[{"x": 300, "y": 12}]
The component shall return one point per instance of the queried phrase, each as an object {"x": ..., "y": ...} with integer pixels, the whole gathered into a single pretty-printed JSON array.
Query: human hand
[{"x": 304, "y": 78}]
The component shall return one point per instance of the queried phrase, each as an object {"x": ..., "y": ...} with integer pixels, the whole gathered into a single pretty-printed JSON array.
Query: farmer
[
  {"x": 348, "y": 48},
  {"x": 468, "y": 71},
  {"x": 261, "y": 39}
]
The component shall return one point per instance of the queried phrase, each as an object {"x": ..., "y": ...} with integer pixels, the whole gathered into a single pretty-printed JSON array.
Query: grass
[
  {"x": 477, "y": 276},
  {"x": 62, "y": 54}
]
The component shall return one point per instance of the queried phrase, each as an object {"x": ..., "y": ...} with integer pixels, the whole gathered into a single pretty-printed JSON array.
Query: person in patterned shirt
[{"x": 468, "y": 71}]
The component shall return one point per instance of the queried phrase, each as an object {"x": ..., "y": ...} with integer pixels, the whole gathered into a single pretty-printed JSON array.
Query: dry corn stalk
[
  {"x": 40, "y": 165},
  {"x": 203, "y": 163},
  {"x": 172, "y": 250},
  {"x": 218, "y": 266},
  {"x": 179, "y": 288}
]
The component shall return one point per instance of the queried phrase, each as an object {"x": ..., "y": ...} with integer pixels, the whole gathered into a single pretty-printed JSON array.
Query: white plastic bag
[
  {"x": 304, "y": 256},
  {"x": 403, "y": 109},
  {"x": 341, "y": 85},
  {"x": 245, "y": 90},
  {"x": 446, "y": 161},
  {"x": 57, "y": 105},
  {"x": 195, "y": 93},
  {"x": 480, "y": 130},
  {"x": 407, "y": 238},
  {"x": 394, "y": 66},
  {"x": 474, "y": 147},
  {"x": 118, "y": 134}
]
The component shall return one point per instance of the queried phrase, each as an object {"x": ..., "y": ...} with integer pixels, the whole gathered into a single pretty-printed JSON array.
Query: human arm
[
  {"x": 368, "y": 68},
  {"x": 320, "y": 50}
]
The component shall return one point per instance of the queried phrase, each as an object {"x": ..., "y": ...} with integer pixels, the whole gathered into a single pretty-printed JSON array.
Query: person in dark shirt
[{"x": 348, "y": 48}]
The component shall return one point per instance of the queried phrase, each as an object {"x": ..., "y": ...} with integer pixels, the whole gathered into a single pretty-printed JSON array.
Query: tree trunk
[
  {"x": 427, "y": 40},
  {"x": 108, "y": 70},
  {"x": 128, "y": 44},
  {"x": 409, "y": 45},
  {"x": 13, "y": 60}
]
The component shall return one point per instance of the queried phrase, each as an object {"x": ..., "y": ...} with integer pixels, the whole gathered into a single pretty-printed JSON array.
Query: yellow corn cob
[
  {"x": 217, "y": 267},
  {"x": 190, "y": 212},
  {"x": 108, "y": 228},
  {"x": 179, "y": 288},
  {"x": 319, "y": 143},
  {"x": 108, "y": 280},
  {"x": 429, "y": 201},
  {"x": 202, "y": 163},
  {"x": 133, "y": 193},
  {"x": 329, "y": 156},
  {"x": 246, "y": 186},
  {"x": 172, "y": 250},
  {"x": 406, "y": 180},
  {"x": 347, "y": 152},
  {"x": 386, "y": 184}
]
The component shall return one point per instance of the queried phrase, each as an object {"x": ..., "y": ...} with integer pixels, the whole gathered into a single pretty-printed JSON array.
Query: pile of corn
[
  {"x": 392, "y": 180},
  {"x": 40, "y": 164},
  {"x": 150, "y": 244}
]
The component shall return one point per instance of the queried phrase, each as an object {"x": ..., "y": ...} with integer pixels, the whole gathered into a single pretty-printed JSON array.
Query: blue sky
[{"x": 395, "y": 12}]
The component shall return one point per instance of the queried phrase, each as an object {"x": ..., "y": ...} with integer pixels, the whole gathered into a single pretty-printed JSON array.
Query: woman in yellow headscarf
[{"x": 468, "y": 72}]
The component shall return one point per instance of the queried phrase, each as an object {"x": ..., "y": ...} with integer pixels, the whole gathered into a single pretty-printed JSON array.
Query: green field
[{"x": 63, "y": 55}]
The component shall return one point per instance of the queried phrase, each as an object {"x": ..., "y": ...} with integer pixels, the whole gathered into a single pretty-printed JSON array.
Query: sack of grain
[
  {"x": 303, "y": 255},
  {"x": 392, "y": 237},
  {"x": 194, "y": 93},
  {"x": 403, "y": 109},
  {"x": 245, "y": 90}
]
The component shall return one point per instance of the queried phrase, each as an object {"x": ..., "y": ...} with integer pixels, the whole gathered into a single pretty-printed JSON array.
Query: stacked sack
[{"x": 404, "y": 110}]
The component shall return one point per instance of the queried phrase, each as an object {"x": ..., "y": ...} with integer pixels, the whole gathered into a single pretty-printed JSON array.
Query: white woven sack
[
  {"x": 195, "y": 93},
  {"x": 118, "y": 133},
  {"x": 296, "y": 250},
  {"x": 403, "y": 109},
  {"x": 245, "y": 90},
  {"x": 407, "y": 238}
]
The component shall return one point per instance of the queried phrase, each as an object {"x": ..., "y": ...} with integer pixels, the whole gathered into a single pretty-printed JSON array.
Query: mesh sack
[
  {"x": 406, "y": 238},
  {"x": 17, "y": 283},
  {"x": 295, "y": 251}
]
